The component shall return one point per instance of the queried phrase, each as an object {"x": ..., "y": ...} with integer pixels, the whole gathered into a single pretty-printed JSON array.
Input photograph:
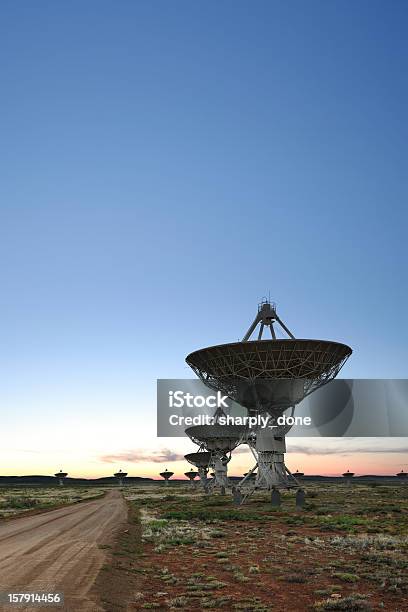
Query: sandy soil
[{"x": 60, "y": 551}]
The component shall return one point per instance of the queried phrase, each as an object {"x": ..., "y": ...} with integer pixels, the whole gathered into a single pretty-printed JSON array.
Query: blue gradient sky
[{"x": 164, "y": 166}]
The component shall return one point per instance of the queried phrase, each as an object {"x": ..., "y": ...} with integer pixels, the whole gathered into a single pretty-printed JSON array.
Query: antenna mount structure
[{"x": 266, "y": 317}]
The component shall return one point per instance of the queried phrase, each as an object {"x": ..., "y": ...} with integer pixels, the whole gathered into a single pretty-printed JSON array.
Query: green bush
[{"x": 20, "y": 502}]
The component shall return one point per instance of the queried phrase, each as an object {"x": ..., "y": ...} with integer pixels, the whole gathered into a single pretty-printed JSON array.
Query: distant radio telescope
[
  {"x": 219, "y": 441},
  {"x": 120, "y": 477},
  {"x": 166, "y": 475},
  {"x": 201, "y": 461},
  {"x": 191, "y": 475},
  {"x": 61, "y": 477},
  {"x": 348, "y": 476}
]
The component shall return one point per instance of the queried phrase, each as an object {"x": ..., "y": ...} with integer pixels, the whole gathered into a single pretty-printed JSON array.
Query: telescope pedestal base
[
  {"x": 202, "y": 473},
  {"x": 220, "y": 475},
  {"x": 273, "y": 473}
]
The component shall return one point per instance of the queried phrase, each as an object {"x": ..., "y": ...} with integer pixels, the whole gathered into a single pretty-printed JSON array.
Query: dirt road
[{"x": 59, "y": 551}]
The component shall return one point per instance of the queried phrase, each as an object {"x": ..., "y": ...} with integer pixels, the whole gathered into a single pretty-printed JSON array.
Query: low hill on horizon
[{"x": 40, "y": 479}]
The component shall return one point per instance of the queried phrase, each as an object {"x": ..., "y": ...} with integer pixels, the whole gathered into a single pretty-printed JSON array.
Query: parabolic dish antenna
[
  {"x": 61, "y": 477},
  {"x": 295, "y": 367},
  {"x": 191, "y": 474},
  {"x": 166, "y": 474},
  {"x": 202, "y": 461},
  {"x": 221, "y": 438},
  {"x": 199, "y": 460}
]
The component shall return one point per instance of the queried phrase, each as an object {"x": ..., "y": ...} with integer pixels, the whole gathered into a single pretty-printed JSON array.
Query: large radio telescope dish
[
  {"x": 299, "y": 366},
  {"x": 312, "y": 363},
  {"x": 199, "y": 460},
  {"x": 217, "y": 438}
]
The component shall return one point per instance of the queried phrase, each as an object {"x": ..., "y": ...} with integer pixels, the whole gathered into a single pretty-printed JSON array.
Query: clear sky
[{"x": 165, "y": 165}]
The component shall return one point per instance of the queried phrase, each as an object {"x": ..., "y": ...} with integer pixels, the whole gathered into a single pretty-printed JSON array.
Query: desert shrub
[
  {"x": 343, "y": 522},
  {"x": 217, "y": 533},
  {"x": 157, "y": 525},
  {"x": 346, "y": 577},
  {"x": 19, "y": 503},
  {"x": 178, "y": 602},
  {"x": 215, "y": 602},
  {"x": 371, "y": 542},
  {"x": 295, "y": 578},
  {"x": 240, "y": 577},
  {"x": 353, "y": 603}
]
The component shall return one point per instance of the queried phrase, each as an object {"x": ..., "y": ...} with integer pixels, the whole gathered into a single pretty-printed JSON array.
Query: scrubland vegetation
[
  {"x": 18, "y": 500},
  {"x": 347, "y": 550}
]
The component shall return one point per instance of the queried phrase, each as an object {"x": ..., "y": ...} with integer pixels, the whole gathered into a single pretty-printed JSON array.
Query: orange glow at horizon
[{"x": 323, "y": 465}]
